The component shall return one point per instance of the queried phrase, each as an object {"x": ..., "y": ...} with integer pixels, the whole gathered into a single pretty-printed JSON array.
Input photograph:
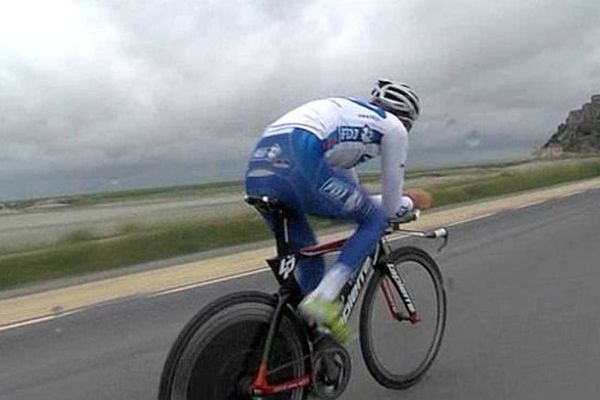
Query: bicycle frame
[{"x": 284, "y": 266}]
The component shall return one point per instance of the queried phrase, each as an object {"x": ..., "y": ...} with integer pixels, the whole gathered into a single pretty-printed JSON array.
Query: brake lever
[
  {"x": 440, "y": 233},
  {"x": 445, "y": 243}
]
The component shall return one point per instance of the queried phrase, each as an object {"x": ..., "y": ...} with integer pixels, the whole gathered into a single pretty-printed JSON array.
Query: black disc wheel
[
  {"x": 398, "y": 351},
  {"x": 217, "y": 355}
]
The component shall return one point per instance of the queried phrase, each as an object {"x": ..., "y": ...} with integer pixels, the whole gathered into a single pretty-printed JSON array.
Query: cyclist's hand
[
  {"x": 422, "y": 199},
  {"x": 409, "y": 216}
]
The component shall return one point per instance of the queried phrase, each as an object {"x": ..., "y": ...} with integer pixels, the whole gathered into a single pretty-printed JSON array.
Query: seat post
[
  {"x": 282, "y": 234},
  {"x": 279, "y": 214}
]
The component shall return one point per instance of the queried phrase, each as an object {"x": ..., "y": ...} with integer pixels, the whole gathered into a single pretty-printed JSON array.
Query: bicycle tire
[
  {"x": 229, "y": 334},
  {"x": 383, "y": 375}
]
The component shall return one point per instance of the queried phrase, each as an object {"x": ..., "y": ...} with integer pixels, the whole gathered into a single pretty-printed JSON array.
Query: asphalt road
[{"x": 523, "y": 322}]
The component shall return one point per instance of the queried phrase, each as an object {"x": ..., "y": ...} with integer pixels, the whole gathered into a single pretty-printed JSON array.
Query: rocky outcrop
[{"x": 580, "y": 133}]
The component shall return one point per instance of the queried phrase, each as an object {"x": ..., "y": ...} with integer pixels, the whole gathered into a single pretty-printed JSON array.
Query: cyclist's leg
[
  {"x": 341, "y": 198},
  {"x": 310, "y": 269},
  {"x": 333, "y": 194}
]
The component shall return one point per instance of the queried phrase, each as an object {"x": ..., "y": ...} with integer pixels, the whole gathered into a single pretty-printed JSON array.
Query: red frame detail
[
  {"x": 414, "y": 318},
  {"x": 389, "y": 298},
  {"x": 262, "y": 387},
  {"x": 323, "y": 248}
]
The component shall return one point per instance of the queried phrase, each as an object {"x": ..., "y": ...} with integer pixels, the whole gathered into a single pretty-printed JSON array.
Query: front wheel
[
  {"x": 399, "y": 345},
  {"x": 217, "y": 355}
]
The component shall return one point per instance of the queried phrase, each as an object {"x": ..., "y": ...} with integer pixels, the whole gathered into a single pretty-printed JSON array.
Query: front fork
[{"x": 413, "y": 315}]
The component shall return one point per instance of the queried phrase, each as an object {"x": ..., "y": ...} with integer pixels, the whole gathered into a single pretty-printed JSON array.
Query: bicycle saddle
[{"x": 268, "y": 204}]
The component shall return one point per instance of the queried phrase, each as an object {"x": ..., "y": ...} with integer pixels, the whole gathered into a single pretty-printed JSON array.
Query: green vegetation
[
  {"x": 77, "y": 253},
  {"x": 511, "y": 182},
  {"x": 83, "y": 252}
]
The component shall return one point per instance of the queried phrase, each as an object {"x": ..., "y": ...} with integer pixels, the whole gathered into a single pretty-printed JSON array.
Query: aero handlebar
[{"x": 438, "y": 233}]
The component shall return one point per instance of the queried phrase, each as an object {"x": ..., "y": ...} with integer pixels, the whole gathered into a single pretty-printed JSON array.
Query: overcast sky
[{"x": 98, "y": 95}]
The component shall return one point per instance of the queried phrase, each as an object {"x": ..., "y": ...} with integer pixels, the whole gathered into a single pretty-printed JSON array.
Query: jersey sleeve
[{"x": 394, "y": 149}]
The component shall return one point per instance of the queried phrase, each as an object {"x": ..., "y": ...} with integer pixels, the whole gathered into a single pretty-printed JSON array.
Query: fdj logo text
[
  {"x": 355, "y": 134},
  {"x": 349, "y": 133}
]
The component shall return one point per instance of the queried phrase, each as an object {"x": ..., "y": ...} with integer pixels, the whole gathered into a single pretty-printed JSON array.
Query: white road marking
[
  {"x": 41, "y": 319},
  {"x": 475, "y": 218}
]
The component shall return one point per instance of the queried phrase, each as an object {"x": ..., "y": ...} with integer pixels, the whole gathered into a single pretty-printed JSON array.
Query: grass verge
[
  {"x": 77, "y": 254},
  {"x": 511, "y": 182},
  {"x": 81, "y": 252}
]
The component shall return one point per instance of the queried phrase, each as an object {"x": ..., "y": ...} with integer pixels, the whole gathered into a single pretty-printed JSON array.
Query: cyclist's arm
[{"x": 394, "y": 148}]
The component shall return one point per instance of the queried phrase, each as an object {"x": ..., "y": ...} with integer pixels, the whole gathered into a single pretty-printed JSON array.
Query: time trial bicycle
[{"x": 254, "y": 345}]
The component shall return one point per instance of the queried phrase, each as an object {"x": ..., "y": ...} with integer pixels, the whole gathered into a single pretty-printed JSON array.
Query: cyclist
[{"x": 307, "y": 159}]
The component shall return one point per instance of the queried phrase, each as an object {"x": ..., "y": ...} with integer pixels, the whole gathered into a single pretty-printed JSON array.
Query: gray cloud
[{"x": 160, "y": 92}]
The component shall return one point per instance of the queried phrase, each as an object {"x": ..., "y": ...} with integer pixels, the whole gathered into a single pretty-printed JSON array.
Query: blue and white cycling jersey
[{"x": 353, "y": 131}]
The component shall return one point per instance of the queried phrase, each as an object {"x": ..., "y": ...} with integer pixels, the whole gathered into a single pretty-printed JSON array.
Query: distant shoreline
[{"x": 66, "y": 199}]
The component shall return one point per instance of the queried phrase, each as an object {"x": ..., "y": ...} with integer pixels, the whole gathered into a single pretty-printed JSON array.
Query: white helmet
[{"x": 397, "y": 98}]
